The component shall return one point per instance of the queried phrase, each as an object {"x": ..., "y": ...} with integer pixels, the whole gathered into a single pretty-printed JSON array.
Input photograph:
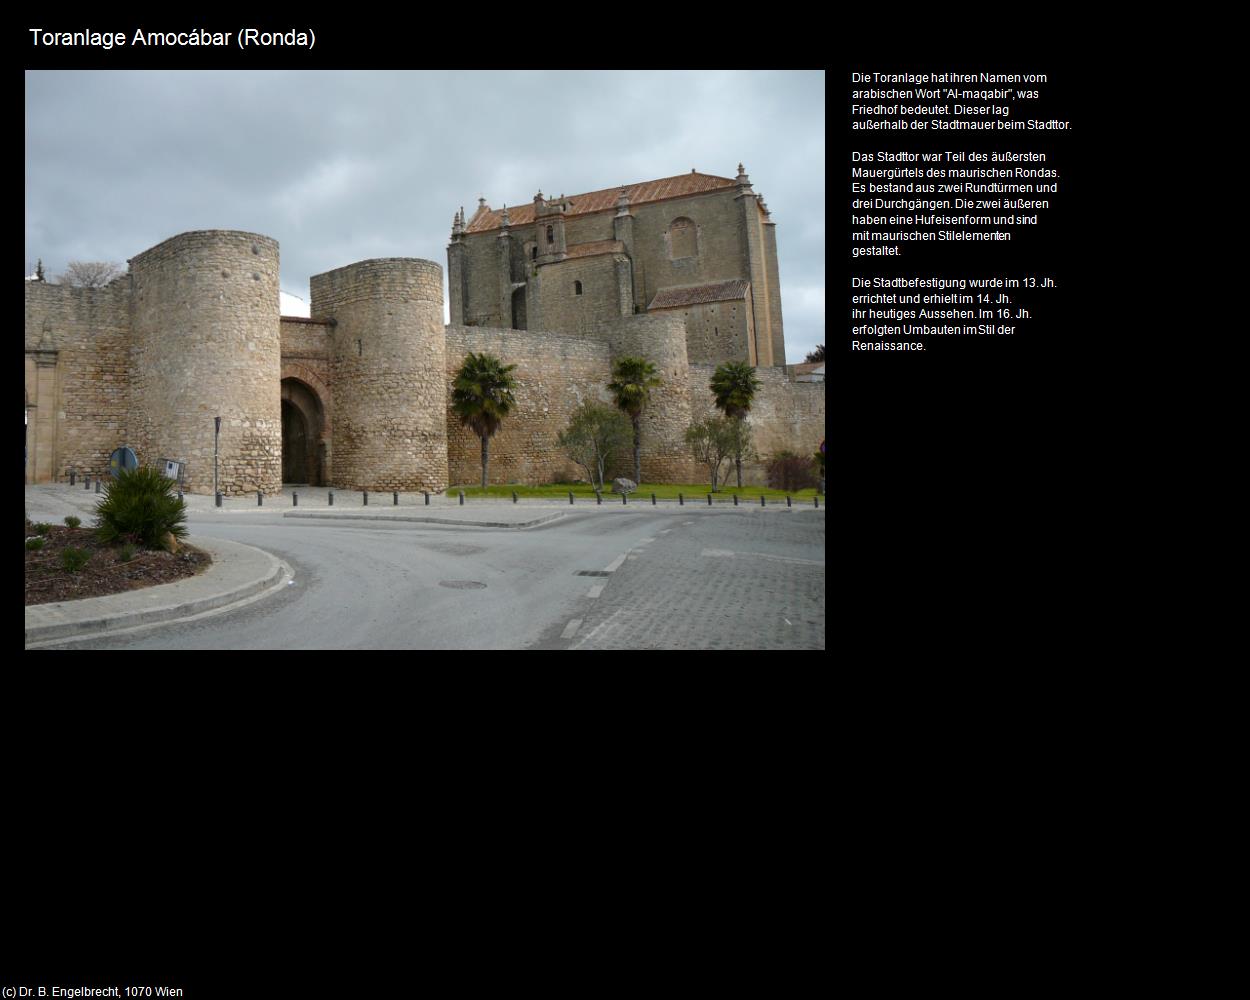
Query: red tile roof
[
  {"x": 600, "y": 201},
  {"x": 595, "y": 248},
  {"x": 691, "y": 295}
]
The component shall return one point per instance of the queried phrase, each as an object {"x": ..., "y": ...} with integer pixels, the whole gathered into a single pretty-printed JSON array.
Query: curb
[
  {"x": 429, "y": 520},
  {"x": 107, "y": 614}
]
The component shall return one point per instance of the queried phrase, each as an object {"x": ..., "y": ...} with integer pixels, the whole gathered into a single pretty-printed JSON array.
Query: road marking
[
  {"x": 646, "y": 541},
  {"x": 717, "y": 553},
  {"x": 571, "y": 629},
  {"x": 615, "y": 564},
  {"x": 786, "y": 620},
  {"x": 632, "y": 556},
  {"x": 595, "y": 591}
]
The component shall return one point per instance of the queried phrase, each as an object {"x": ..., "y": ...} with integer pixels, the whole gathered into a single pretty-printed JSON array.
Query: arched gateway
[{"x": 305, "y": 430}]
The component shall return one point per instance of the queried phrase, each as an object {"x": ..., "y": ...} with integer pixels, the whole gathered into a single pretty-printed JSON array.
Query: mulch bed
[{"x": 47, "y": 579}]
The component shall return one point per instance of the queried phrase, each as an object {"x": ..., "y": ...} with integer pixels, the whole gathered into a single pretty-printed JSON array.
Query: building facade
[{"x": 696, "y": 246}]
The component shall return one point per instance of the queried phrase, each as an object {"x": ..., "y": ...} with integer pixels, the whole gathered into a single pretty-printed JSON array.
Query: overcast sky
[{"x": 342, "y": 166}]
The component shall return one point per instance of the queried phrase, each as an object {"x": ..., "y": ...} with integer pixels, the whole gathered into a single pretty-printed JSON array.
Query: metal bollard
[
  {"x": 97, "y": 489},
  {"x": 396, "y": 497},
  {"x": 365, "y": 494},
  {"x": 652, "y": 499},
  {"x": 762, "y": 504},
  {"x": 462, "y": 498},
  {"x": 681, "y": 500},
  {"x": 709, "y": 499},
  {"x": 86, "y": 481},
  {"x": 570, "y": 498},
  {"x": 598, "y": 498},
  {"x": 330, "y": 497},
  {"x": 259, "y": 498},
  {"x": 816, "y": 501},
  {"x": 514, "y": 496},
  {"x": 72, "y": 476},
  {"x": 788, "y": 504},
  {"x": 218, "y": 499},
  {"x": 427, "y": 498},
  {"x": 624, "y": 499},
  {"x": 735, "y": 499},
  {"x": 294, "y": 499}
]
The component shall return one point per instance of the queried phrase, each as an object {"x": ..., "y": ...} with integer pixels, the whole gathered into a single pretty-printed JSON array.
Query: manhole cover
[{"x": 462, "y": 584}]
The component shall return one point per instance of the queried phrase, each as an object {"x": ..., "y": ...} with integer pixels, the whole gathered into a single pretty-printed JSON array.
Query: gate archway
[{"x": 303, "y": 434}]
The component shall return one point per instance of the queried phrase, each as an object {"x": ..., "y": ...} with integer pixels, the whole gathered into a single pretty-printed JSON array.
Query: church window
[
  {"x": 683, "y": 239},
  {"x": 577, "y": 288},
  {"x": 551, "y": 235}
]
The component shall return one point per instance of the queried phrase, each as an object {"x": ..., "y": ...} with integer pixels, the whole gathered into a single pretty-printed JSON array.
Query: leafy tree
[
  {"x": 712, "y": 441},
  {"x": 734, "y": 386},
  {"x": 595, "y": 431},
  {"x": 481, "y": 396},
  {"x": 633, "y": 380},
  {"x": 816, "y": 355},
  {"x": 90, "y": 273}
]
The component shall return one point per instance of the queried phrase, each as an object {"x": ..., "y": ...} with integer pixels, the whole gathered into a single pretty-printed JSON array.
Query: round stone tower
[
  {"x": 388, "y": 367},
  {"x": 206, "y": 343}
]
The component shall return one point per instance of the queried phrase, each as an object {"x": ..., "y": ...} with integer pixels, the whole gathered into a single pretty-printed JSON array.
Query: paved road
[{"x": 675, "y": 579}]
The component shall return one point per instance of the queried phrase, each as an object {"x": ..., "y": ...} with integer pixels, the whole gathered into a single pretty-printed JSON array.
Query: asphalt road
[{"x": 668, "y": 579}]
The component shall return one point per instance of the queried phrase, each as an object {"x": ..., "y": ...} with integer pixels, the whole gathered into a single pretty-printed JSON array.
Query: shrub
[
  {"x": 74, "y": 559},
  {"x": 73, "y": 521},
  {"x": 140, "y": 505},
  {"x": 42, "y": 528},
  {"x": 34, "y": 544},
  {"x": 791, "y": 472},
  {"x": 127, "y": 553}
]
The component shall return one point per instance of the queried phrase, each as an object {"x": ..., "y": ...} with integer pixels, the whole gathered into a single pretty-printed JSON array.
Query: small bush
[
  {"x": 73, "y": 521},
  {"x": 74, "y": 559},
  {"x": 140, "y": 505},
  {"x": 34, "y": 544},
  {"x": 42, "y": 528},
  {"x": 790, "y": 472},
  {"x": 127, "y": 553}
]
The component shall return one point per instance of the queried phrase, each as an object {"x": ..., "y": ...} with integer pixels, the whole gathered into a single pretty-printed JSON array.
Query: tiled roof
[
  {"x": 599, "y": 201},
  {"x": 595, "y": 248},
  {"x": 691, "y": 295}
]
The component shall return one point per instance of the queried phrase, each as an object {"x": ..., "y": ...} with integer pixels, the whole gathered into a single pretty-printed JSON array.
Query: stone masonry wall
[
  {"x": 715, "y": 331},
  {"x": 784, "y": 416},
  {"x": 387, "y": 373},
  {"x": 554, "y": 375},
  {"x": 205, "y": 343},
  {"x": 560, "y": 309},
  {"x": 80, "y": 404}
]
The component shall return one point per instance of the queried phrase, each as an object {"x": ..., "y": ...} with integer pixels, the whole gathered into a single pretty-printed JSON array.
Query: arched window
[
  {"x": 577, "y": 288},
  {"x": 551, "y": 234},
  {"x": 534, "y": 253},
  {"x": 683, "y": 239}
]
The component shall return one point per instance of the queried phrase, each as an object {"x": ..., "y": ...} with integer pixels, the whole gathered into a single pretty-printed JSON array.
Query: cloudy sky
[{"x": 342, "y": 166}]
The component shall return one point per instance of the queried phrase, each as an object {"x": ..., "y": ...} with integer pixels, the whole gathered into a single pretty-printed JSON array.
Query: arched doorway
[
  {"x": 303, "y": 427},
  {"x": 518, "y": 309}
]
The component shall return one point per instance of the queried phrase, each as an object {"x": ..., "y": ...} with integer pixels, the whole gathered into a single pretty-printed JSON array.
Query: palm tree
[
  {"x": 634, "y": 380},
  {"x": 734, "y": 385},
  {"x": 481, "y": 396}
]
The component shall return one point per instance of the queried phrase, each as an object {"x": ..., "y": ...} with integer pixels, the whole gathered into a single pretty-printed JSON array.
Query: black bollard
[
  {"x": 598, "y": 498},
  {"x": 709, "y": 499},
  {"x": 652, "y": 499},
  {"x": 788, "y": 504},
  {"x": 735, "y": 499},
  {"x": 427, "y": 499},
  {"x": 816, "y": 501},
  {"x": 97, "y": 489},
  {"x": 86, "y": 481},
  {"x": 218, "y": 499},
  {"x": 330, "y": 497},
  {"x": 365, "y": 494},
  {"x": 624, "y": 498},
  {"x": 462, "y": 498},
  {"x": 570, "y": 498},
  {"x": 681, "y": 500},
  {"x": 72, "y": 477},
  {"x": 259, "y": 498},
  {"x": 294, "y": 499},
  {"x": 762, "y": 500},
  {"x": 396, "y": 497},
  {"x": 514, "y": 496}
]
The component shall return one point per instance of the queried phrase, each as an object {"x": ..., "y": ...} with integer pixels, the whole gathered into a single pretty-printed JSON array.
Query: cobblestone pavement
[{"x": 719, "y": 581}]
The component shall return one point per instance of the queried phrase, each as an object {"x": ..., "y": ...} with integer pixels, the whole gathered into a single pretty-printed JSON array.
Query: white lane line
[
  {"x": 595, "y": 591},
  {"x": 571, "y": 629},
  {"x": 646, "y": 541},
  {"x": 615, "y": 564},
  {"x": 717, "y": 553},
  {"x": 632, "y": 556}
]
